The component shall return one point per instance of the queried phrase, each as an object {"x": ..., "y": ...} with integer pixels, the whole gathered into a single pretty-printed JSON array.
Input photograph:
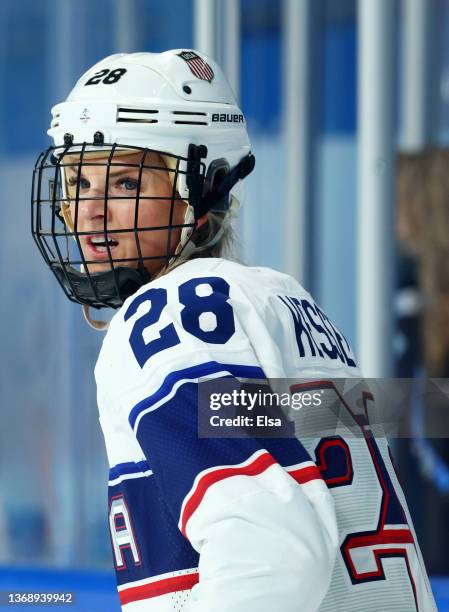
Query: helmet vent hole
[
  {"x": 200, "y": 113},
  {"x": 186, "y": 89},
  {"x": 136, "y": 115},
  {"x": 190, "y": 118},
  {"x": 191, "y": 122}
]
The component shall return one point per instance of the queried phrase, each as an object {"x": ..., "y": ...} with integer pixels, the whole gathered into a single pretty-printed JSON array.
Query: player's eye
[
  {"x": 83, "y": 183},
  {"x": 129, "y": 184}
]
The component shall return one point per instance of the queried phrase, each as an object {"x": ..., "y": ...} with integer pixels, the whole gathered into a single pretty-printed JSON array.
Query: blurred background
[{"x": 347, "y": 104}]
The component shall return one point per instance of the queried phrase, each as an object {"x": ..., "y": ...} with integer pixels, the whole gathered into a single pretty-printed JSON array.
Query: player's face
[{"x": 120, "y": 213}]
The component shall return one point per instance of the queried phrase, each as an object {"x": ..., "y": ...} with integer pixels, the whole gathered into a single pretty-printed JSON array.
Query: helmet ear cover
[
  {"x": 218, "y": 183},
  {"x": 216, "y": 172},
  {"x": 201, "y": 186}
]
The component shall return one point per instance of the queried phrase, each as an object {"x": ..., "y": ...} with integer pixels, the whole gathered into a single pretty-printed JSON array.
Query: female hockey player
[{"x": 131, "y": 210}]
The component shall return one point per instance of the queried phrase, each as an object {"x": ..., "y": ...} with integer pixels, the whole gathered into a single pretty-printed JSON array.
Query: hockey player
[{"x": 149, "y": 150}]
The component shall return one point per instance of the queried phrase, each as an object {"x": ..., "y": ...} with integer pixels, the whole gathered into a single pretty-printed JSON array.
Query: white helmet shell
[{"x": 161, "y": 101}]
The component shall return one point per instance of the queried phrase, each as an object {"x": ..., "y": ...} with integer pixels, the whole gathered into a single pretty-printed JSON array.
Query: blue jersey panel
[{"x": 161, "y": 546}]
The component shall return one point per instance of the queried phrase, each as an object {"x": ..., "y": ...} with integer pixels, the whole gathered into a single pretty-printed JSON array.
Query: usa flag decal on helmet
[{"x": 197, "y": 65}]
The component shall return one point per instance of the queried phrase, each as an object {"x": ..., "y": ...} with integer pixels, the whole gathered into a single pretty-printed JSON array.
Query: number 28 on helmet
[{"x": 147, "y": 148}]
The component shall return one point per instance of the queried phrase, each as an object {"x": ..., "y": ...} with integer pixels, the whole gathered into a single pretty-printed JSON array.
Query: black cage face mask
[{"x": 107, "y": 221}]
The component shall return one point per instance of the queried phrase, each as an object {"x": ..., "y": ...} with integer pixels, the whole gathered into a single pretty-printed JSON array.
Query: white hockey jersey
[{"x": 244, "y": 524}]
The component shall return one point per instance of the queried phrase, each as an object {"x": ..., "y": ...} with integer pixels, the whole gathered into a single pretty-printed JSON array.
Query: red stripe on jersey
[
  {"x": 259, "y": 465},
  {"x": 386, "y": 536},
  {"x": 306, "y": 474},
  {"x": 158, "y": 587}
]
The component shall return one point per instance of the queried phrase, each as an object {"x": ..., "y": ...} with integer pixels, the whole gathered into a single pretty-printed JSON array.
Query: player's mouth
[{"x": 100, "y": 246}]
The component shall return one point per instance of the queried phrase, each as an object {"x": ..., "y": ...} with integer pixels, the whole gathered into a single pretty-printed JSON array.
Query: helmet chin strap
[{"x": 94, "y": 323}]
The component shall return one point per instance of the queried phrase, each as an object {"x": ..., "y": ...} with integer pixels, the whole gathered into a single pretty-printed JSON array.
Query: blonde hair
[{"x": 226, "y": 246}]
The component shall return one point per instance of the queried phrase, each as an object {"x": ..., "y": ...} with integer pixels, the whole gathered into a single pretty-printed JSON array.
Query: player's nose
[{"x": 93, "y": 204}]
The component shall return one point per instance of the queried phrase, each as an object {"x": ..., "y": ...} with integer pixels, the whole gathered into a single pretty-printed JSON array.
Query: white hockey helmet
[{"x": 177, "y": 103}]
